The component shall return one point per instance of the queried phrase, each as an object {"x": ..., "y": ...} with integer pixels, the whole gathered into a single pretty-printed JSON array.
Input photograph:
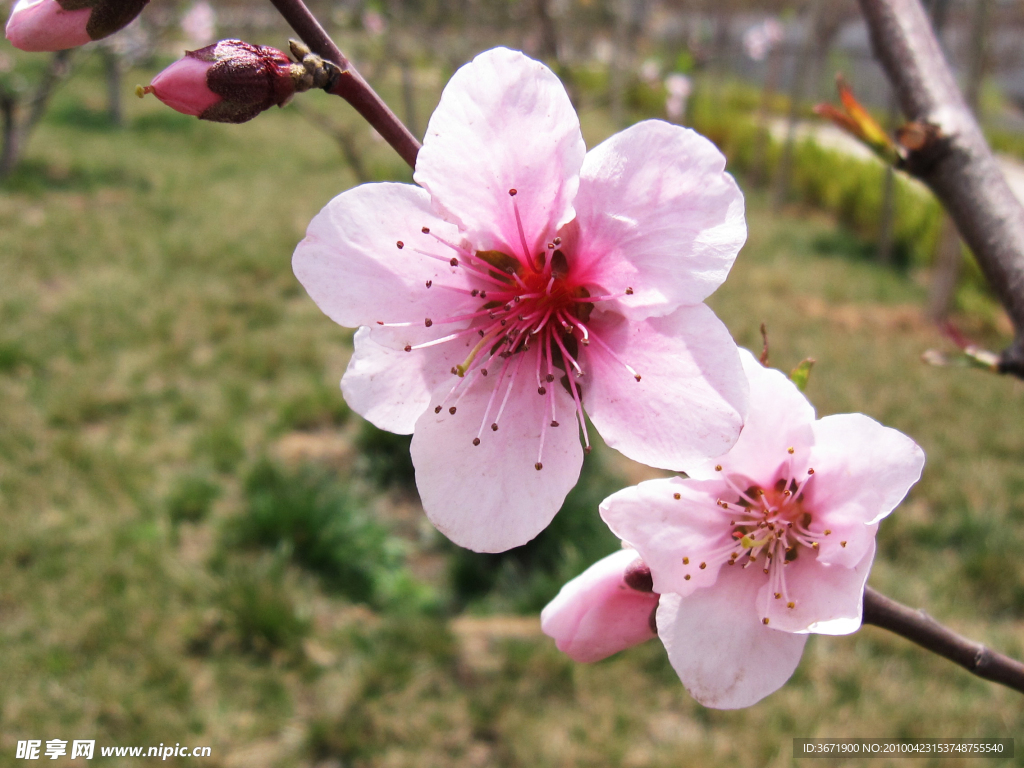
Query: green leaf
[{"x": 802, "y": 373}]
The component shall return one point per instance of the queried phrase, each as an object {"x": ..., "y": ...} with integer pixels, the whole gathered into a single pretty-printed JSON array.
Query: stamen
[
  {"x": 579, "y": 415},
  {"x": 522, "y": 235},
  {"x": 465, "y": 364},
  {"x": 567, "y": 356},
  {"x": 736, "y": 488},
  {"x": 466, "y": 265},
  {"x": 490, "y": 401},
  {"x": 442, "y": 340},
  {"x": 609, "y": 350},
  {"x": 508, "y": 391}
]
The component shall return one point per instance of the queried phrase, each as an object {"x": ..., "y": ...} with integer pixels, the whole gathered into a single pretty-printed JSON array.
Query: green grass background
[{"x": 201, "y": 545}]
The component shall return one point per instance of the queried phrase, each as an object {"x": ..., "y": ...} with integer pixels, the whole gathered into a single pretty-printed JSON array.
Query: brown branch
[
  {"x": 956, "y": 164},
  {"x": 350, "y": 86},
  {"x": 920, "y": 628}
]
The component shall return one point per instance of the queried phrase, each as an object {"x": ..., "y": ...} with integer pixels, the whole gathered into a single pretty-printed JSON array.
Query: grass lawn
[{"x": 202, "y": 545}]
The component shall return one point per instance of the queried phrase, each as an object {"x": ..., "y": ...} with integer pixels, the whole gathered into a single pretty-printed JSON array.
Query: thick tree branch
[
  {"x": 350, "y": 86},
  {"x": 920, "y": 628},
  {"x": 956, "y": 163}
]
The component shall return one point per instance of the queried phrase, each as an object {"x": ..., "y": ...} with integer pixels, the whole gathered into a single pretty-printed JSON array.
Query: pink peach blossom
[
  {"x": 602, "y": 611},
  {"x": 42, "y": 25},
  {"x": 182, "y": 86},
  {"x": 53, "y": 25},
  {"x": 524, "y": 282},
  {"x": 768, "y": 543},
  {"x": 231, "y": 81}
]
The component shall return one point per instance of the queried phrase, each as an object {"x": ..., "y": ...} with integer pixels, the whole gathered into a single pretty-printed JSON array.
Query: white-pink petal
[
  {"x": 490, "y": 497},
  {"x": 390, "y": 387},
  {"x": 43, "y": 25},
  {"x": 352, "y": 267},
  {"x": 724, "y": 655},
  {"x": 692, "y": 395},
  {"x": 596, "y": 614},
  {"x": 863, "y": 469},
  {"x": 658, "y": 213},
  {"x": 504, "y": 122},
  {"x": 665, "y": 530},
  {"x": 828, "y": 599},
  {"x": 779, "y": 417}
]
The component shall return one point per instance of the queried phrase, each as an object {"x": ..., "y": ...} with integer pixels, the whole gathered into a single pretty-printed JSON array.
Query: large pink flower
[
  {"x": 769, "y": 542},
  {"x": 525, "y": 281}
]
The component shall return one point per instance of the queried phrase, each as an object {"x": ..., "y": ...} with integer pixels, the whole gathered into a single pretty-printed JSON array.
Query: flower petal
[
  {"x": 829, "y": 599},
  {"x": 725, "y": 656},
  {"x": 779, "y": 417},
  {"x": 658, "y": 213},
  {"x": 666, "y": 530},
  {"x": 489, "y": 497},
  {"x": 390, "y": 387},
  {"x": 43, "y": 25},
  {"x": 596, "y": 614},
  {"x": 862, "y": 469},
  {"x": 350, "y": 264},
  {"x": 692, "y": 396},
  {"x": 504, "y": 122}
]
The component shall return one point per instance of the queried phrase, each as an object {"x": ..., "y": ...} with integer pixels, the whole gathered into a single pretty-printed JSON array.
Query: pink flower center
[
  {"x": 523, "y": 302},
  {"x": 768, "y": 528}
]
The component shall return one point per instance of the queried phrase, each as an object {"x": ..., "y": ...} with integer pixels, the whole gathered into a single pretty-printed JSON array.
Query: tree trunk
[
  {"x": 8, "y": 118},
  {"x": 759, "y": 163},
  {"x": 796, "y": 92},
  {"x": 114, "y": 71},
  {"x": 16, "y": 133},
  {"x": 619, "y": 65}
]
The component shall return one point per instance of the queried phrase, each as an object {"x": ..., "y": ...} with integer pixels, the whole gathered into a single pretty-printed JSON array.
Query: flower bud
[
  {"x": 53, "y": 25},
  {"x": 233, "y": 81},
  {"x": 606, "y": 609}
]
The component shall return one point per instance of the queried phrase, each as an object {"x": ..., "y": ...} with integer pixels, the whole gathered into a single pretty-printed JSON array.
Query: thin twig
[
  {"x": 956, "y": 163},
  {"x": 350, "y": 86},
  {"x": 920, "y": 628}
]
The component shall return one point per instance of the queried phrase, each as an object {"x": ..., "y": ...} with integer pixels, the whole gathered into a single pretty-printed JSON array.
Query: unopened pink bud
[
  {"x": 42, "y": 25},
  {"x": 228, "y": 82},
  {"x": 598, "y": 613},
  {"x": 53, "y": 25},
  {"x": 182, "y": 86}
]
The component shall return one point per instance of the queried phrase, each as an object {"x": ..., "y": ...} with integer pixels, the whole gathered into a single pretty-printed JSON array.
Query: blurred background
[{"x": 200, "y": 544}]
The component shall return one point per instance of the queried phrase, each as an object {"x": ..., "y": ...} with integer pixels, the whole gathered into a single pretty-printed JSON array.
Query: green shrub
[
  {"x": 190, "y": 498},
  {"x": 388, "y": 463},
  {"x": 260, "y": 615},
  {"x": 309, "y": 515}
]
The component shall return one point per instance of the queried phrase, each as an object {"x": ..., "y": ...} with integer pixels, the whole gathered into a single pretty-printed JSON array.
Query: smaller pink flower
[
  {"x": 606, "y": 609},
  {"x": 768, "y": 543},
  {"x": 228, "y": 82},
  {"x": 54, "y": 25}
]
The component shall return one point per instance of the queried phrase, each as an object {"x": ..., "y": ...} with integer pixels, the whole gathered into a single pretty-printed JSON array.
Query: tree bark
[
  {"x": 920, "y": 628},
  {"x": 16, "y": 132},
  {"x": 796, "y": 92},
  {"x": 956, "y": 163},
  {"x": 8, "y": 119}
]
